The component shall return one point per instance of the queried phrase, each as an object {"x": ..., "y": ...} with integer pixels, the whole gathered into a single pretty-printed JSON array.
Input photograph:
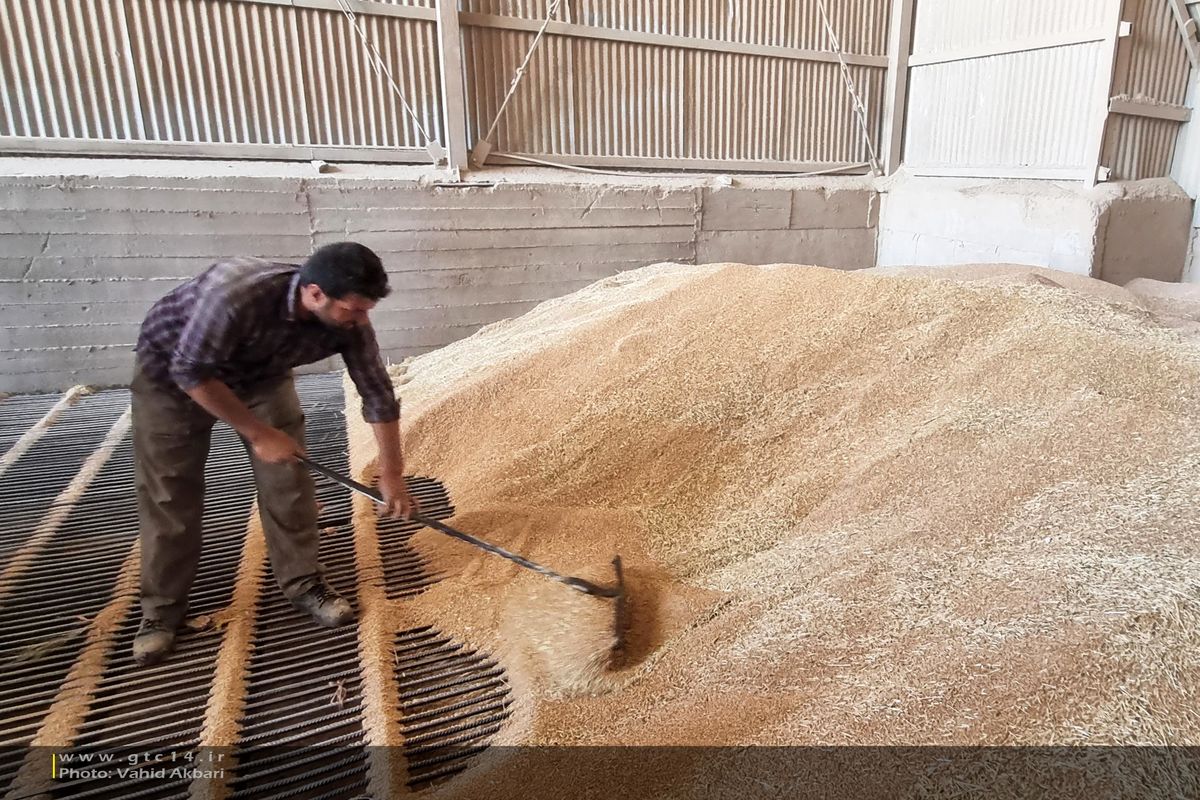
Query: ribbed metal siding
[
  {"x": 212, "y": 71},
  {"x": 1158, "y": 67},
  {"x": 58, "y": 78},
  {"x": 1022, "y": 109},
  {"x": 1006, "y": 113},
  {"x": 763, "y": 108},
  {"x": 491, "y": 58},
  {"x": 947, "y": 25},
  {"x": 607, "y": 98},
  {"x": 861, "y": 25},
  {"x": 1158, "y": 70},
  {"x": 1144, "y": 149}
]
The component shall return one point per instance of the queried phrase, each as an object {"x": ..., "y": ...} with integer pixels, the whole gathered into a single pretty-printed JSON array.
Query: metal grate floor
[
  {"x": 64, "y": 537},
  {"x": 452, "y": 700}
]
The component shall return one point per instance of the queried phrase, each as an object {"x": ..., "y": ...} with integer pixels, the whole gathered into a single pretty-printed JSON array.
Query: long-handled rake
[{"x": 615, "y": 593}]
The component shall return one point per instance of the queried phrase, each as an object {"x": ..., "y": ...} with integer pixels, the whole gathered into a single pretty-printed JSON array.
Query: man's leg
[
  {"x": 287, "y": 506},
  {"x": 171, "y": 443}
]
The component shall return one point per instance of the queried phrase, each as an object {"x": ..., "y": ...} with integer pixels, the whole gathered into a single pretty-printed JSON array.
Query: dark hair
[{"x": 346, "y": 268}]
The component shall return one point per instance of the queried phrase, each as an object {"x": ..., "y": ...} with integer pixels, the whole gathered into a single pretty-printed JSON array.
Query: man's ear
[{"x": 313, "y": 293}]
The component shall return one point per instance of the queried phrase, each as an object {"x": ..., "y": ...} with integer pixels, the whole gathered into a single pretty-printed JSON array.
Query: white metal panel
[
  {"x": 954, "y": 25},
  {"x": 1186, "y": 167},
  {"x": 1008, "y": 114}
]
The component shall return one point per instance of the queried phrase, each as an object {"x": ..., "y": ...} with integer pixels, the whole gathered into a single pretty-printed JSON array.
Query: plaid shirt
[{"x": 236, "y": 322}]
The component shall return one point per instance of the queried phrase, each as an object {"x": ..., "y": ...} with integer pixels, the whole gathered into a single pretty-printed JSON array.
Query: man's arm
[
  {"x": 381, "y": 410},
  {"x": 387, "y": 438},
  {"x": 206, "y": 341},
  {"x": 391, "y": 470},
  {"x": 270, "y": 444}
]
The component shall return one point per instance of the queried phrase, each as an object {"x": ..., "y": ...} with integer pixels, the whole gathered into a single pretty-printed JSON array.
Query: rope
[
  {"x": 592, "y": 171},
  {"x": 550, "y": 12},
  {"x": 381, "y": 68},
  {"x": 860, "y": 110}
]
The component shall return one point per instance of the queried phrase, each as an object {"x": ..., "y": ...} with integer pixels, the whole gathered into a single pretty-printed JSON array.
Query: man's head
[{"x": 340, "y": 284}]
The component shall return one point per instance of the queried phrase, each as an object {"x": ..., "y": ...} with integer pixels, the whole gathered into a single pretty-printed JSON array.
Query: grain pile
[
  {"x": 855, "y": 508},
  {"x": 571, "y": 638}
]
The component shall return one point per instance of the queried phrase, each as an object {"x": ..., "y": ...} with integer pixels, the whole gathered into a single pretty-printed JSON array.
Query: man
[{"x": 222, "y": 346}]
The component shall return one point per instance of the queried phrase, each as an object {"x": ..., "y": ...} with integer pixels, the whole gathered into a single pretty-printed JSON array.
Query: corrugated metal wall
[
  {"x": 959, "y": 123},
  {"x": 215, "y": 72},
  {"x": 1007, "y": 87},
  {"x": 750, "y": 84},
  {"x": 1154, "y": 67},
  {"x": 861, "y": 25},
  {"x": 637, "y": 82},
  {"x": 605, "y": 99},
  {"x": 1158, "y": 61},
  {"x": 1022, "y": 88},
  {"x": 997, "y": 88},
  {"x": 1144, "y": 147}
]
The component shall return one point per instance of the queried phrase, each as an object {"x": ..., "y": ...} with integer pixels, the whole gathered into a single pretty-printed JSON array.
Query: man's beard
[{"x": 323, "y": 317}]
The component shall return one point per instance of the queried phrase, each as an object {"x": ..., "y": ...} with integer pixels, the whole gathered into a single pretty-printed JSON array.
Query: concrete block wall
[
  {"x": 1115, "y": 232},
  {"x": 460, "y": 258},
  {"x": 83, "y": 257},
  {"x": 1146, "y": 233},
  {"x": 87, "y": 246},
  {"x": 944, "y": 221},
  {"x": 830, "y": 226}
]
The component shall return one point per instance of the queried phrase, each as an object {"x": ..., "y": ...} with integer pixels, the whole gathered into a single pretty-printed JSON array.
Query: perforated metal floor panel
[
  {"x": 301, "y": 728},
  {"x": 452, "y": 701}
]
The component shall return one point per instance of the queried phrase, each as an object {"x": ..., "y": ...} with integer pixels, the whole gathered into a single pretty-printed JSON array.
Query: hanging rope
[
  {"x": 381, "y": 69},
  {"x": 657, "y": 174},
  {"x": 860, "y": 110},
  {"x": 484, "y": 145}
]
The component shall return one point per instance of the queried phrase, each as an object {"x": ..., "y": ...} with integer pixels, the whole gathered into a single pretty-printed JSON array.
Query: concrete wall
[
  {"x": 1146, "y": 232},
  {"x": 86, "y": 246},
  {"x": 1114, "y": 231},
  {"x": 1191, "y": 270},
  {"x": 941, "y": 221},
  {"x": 831, "y": 226}
]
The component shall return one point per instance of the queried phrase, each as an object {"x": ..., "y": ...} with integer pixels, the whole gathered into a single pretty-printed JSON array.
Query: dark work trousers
[{"x": 171, "y": 441}]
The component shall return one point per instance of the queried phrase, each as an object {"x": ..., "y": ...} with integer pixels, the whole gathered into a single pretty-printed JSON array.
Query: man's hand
[
  {"x": 274, "y": 446},
  {"x": 398, "y": 502},
  {"x": 269, "y": 444}
]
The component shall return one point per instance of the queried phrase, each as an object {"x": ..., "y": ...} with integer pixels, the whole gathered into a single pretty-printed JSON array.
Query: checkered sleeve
[
  {"x": 365, "y": 365},
  {"x": 206, "y": 341}
]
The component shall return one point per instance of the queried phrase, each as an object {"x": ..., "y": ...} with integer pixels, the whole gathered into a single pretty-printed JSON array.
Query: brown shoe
[
  {"x": 155, "y": 641},
  {"x": 325, "y": 605}
]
